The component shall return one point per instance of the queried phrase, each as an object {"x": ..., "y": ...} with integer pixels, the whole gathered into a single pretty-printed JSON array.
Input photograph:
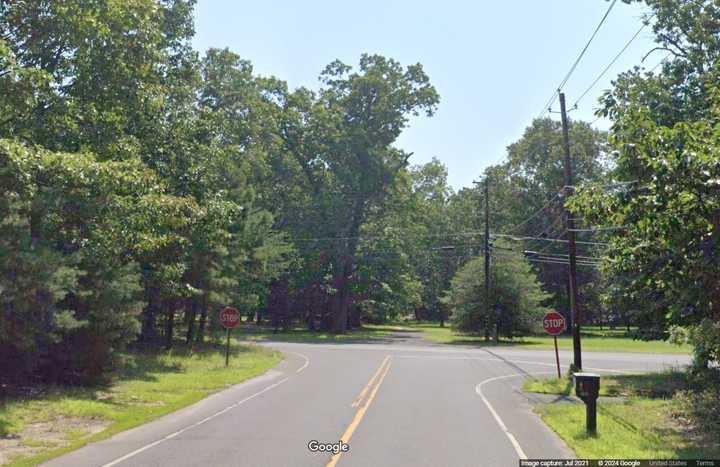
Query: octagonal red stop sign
[
  {"x": 229, "y": 318},
  {"x": 554, "y": 323}
]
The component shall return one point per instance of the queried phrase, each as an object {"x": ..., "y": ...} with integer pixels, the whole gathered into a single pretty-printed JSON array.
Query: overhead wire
[
  {"x": 521, "y": 238},
  {"x": 562, "y": 263},
  {"x": 547, "y": 108},
  {"x": 551, "y": 101},
  {"x": 537, "y": 253},
  {"x": 652, "y": 70},
  {"x": 600, "y": 229},
  {"x": 553, "y": 260},
  {"x": 376, "y": 237},
  {"x": 605, "y": 70},
  {"x": 553, "y": 256},
  {"x": 606, "y": 185},
  {"x": 535, "y": 214}
]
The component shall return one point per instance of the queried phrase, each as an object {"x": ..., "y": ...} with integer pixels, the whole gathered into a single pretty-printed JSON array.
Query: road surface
[{"x": 397, "y": 402}]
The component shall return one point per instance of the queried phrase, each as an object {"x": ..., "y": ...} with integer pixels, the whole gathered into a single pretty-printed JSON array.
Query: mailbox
[{"x": 587, "y": 388}]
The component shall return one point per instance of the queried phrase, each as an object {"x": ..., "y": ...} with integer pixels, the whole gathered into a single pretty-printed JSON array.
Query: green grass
[
  {"x": 652, "y": 385},
  {"x": 641, "y": 426},
  {"x": 34, "y": 443},
  {"x": 366, "y": 333},
  {"x": 637, "y": 428},
  {"x": 392, "y": 327},
  {"x": 148, "y": 386},
  {"x": 594, "y": 340}
]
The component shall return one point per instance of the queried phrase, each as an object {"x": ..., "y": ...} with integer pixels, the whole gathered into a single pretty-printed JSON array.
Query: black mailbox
[
  {"x": 587, "y": 388},
  {"x": 587, "y": 385}
]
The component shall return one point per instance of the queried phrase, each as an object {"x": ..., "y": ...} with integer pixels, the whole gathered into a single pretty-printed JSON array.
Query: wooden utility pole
[
  {"x": 487, "y": 261},
  {"x": 570, "y": 228}
]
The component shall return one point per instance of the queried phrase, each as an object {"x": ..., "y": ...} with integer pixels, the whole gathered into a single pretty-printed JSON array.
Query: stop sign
[
  {"x": 229, "y": 317},
  {"x": 554, "y": 323}
]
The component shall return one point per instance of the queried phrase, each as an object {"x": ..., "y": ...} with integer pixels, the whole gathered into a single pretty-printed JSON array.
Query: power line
[
  {"x": 605, "y": 70},
  {"x": 376, "y": 237},
  {"x": 600, "y": 229},
  {"x": 534, "y": 215},
  {"x": 458, "y": 235},
  {"x": 661, "y": 62},
  {"x": 522, "y": 239},
  {"x": 552, "y": 258},
  {"x": 548, "y": 246},
  {"x": 564, "y": 263},
  {"x": 606, "y": 185},
  {"x": 504, "y": 249},
  {"x": 565, "y": 260},
  {"x": 536, "y": 253},
  {"x": 551, "y": 101},
  {"x": 554, "y": 226}
]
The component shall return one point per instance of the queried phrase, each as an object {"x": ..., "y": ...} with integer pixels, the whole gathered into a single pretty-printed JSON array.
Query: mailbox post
[{"x": 587, "y": 388}]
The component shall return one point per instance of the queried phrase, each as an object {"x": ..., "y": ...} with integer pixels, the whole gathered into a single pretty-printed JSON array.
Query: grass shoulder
[
  {"x": 650, "y": 385},
  {"x": 52, "y": 421},
  {"x": 646, "y": 423},
  {"x": 367, "y": 332},
  {"x": 594, "y": 340}
]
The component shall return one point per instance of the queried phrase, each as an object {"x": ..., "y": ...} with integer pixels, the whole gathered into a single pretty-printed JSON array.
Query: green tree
[
  {"x": 662, "y": 263},
  {"x": 342, "y": 140},
  {"x": 112, "y": 66},
  {"x": 526, "y": 197},
  {"x": 435, "y": 231},
  {"x": 69, "y": 289},
  {"x": 671, "y": 217},
  {"x": 516, "y": 299}
]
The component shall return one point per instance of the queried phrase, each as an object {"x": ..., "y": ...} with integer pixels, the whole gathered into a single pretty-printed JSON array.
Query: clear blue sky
[{"x": 494, "y": 63}]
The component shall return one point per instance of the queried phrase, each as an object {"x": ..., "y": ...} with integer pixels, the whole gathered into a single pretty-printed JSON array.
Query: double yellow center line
[{"x": 363, "y": 401}]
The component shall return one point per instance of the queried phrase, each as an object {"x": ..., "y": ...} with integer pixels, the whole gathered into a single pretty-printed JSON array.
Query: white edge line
[
  {"x": 586, "y": 368},
  {"x": 206, "y": 419},
  {"x": 503, "y": 427},
  {"x": 307, "y": 361}
]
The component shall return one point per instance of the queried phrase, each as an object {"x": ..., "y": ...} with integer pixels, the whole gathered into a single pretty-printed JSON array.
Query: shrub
[
  {"x": 701, "y": 408},
  {"x": 516, "y": 300},
  {"x": 705, "y": 339}
]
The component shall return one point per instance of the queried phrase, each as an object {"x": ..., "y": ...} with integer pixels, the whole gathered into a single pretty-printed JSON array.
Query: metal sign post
[
  {"x": 554, "y": 324},
  {"x": 227, "y": 346},
  {"x": 557, "y": 357}
]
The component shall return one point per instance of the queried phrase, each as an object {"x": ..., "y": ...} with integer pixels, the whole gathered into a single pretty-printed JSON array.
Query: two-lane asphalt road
[{"x": 400, "y": 402}]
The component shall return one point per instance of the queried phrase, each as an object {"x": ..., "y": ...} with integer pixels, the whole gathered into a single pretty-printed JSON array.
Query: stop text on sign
[
  {"x": 554, "y": 323},
  {"x": 229, "y": 318}
]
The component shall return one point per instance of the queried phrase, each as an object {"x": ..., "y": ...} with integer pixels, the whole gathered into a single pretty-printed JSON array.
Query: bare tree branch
[
  {"x": 676, "y": 44},
  {"x": 656, "y": 49}
]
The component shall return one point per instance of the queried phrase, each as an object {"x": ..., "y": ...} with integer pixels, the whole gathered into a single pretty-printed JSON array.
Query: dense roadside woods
[{"x": 145, "y": 185}]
